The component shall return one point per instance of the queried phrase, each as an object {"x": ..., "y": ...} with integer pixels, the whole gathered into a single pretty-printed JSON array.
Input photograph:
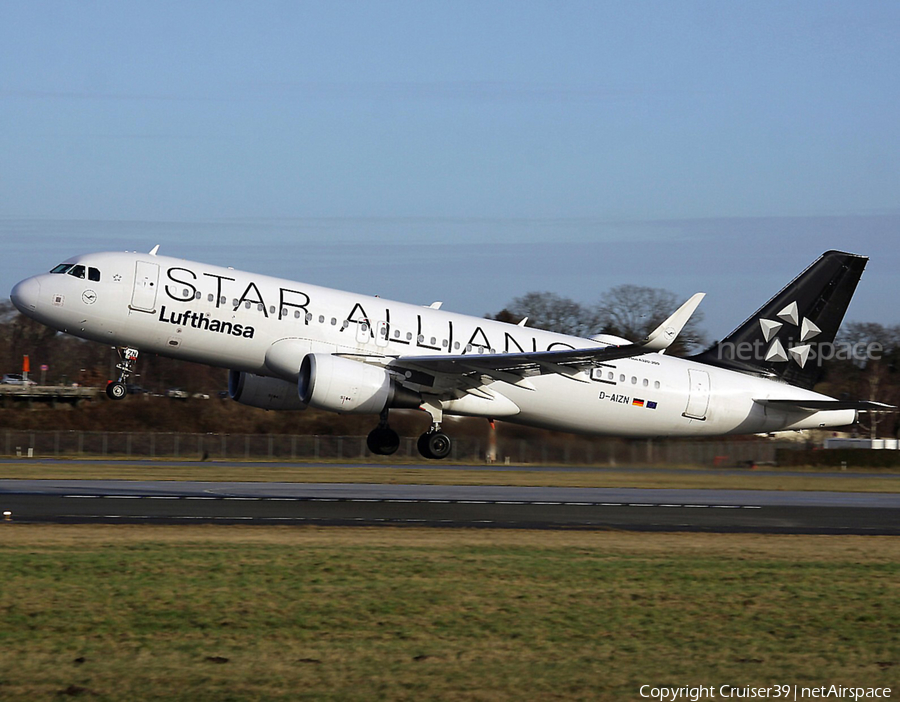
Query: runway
[{"x": 183, "y": 502}]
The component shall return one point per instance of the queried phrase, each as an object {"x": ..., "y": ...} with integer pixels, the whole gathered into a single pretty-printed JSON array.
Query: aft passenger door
[{"x": 698, "y": 394}]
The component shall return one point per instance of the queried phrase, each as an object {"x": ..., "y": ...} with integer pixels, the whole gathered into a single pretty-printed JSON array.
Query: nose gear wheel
[{"x": 117, "y": 389}]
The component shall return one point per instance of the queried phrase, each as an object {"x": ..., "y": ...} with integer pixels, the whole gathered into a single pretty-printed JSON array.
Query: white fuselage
[{"x": 264, "y": 325}]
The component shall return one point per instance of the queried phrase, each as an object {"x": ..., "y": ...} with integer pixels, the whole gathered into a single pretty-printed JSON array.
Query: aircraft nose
[{"x": 25, "y": 295}]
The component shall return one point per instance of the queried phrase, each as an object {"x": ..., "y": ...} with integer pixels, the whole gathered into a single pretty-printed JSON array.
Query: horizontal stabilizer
[{"x": 821, "y": 405}]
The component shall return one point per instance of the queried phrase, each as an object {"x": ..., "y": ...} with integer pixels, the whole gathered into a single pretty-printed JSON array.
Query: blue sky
[{"x": 469, "y": 152}]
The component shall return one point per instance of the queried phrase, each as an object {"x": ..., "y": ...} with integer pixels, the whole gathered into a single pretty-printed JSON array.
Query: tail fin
[{"x": 782, "y": 338}]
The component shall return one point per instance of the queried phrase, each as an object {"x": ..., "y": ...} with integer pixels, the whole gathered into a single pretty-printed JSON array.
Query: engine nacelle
[
  {"x": 343, "y": 385},
  {"x": 265, "y": 393}
]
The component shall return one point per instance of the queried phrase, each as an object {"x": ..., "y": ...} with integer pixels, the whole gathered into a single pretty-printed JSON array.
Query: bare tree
[
  {"x": 547, "y": 310},
  {"x": 629, "y": 311},
  {"x": 869, "y": 373},
  {"x": 633, "y": 311}
]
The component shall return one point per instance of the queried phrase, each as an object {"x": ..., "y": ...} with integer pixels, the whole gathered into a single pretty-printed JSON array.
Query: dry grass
[{"x": 258, "y": 613}]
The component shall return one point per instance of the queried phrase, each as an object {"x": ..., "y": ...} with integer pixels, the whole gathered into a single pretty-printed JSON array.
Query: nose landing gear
[{"x": 117, "y": 389}]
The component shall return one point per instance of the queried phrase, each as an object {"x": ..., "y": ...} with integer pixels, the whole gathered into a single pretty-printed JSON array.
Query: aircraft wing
[
  {"x": 821, "y": 405},
  {"x": 566, "y": 361},
  {"x": 572, "y": 363}
]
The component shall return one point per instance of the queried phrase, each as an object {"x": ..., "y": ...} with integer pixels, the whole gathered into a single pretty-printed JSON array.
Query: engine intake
[{"x": 343, "y": 385}]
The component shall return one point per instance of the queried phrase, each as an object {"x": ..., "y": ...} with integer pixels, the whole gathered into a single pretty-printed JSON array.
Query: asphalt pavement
[{"x": 183, "y": 502}]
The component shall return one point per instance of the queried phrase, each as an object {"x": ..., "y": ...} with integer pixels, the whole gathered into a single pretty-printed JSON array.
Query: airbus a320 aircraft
[{"x": 289, "y": 345}]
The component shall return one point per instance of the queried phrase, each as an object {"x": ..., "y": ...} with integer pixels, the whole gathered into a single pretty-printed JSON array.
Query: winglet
[
  {"x": 154, "y": 250},
  {"x": 663, "y": 336}
]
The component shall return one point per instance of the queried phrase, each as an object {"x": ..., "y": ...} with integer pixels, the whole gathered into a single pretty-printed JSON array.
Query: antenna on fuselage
[{"x": 154, "y": 250}]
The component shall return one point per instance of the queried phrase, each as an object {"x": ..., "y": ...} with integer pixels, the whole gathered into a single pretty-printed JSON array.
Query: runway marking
[{"x": 400, "y": 500}]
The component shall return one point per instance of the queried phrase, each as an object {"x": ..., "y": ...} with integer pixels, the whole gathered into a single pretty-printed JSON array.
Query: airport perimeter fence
[{"x": 277, "y": 447}]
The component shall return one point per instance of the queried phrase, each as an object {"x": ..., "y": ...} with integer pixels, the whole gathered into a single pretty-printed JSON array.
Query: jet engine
[
  {"x": 340, "y": 384},
  {"x": 265, "y": 393}
]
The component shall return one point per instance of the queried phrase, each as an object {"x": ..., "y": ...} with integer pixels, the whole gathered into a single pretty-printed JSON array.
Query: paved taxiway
[{"x": 119, "y": 501}]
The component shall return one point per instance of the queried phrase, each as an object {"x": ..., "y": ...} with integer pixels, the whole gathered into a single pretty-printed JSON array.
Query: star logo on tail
[{"x": 776, "y": 352}]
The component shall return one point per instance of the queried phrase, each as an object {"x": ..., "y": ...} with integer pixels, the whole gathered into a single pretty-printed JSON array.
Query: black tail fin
[{"x": 787, "y": 336}]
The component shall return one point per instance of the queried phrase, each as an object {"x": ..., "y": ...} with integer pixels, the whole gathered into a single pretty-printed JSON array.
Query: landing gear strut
[
  {"x": 117, "y": 389},
  {"x": 434, "y": 443},
  {"x": 382, "y": 440}
]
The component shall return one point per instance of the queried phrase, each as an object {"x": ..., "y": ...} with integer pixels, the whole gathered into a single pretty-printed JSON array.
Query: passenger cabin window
[
  {"x": 62, "y": 268},
  {"x": 77, "y": 271},
  {"x": 94, "y": 274}
]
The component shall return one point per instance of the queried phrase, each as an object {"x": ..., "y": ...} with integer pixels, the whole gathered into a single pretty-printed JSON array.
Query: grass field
[
  {"x": 860, "y": 481},
  {"x": 266, "y": 613}
]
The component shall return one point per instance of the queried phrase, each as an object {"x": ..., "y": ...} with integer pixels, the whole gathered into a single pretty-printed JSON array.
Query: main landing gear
[
  {"x": 433, "y": 444},
  {"x": 117, "y": 389},
  {"x": 382, "y": 440}
]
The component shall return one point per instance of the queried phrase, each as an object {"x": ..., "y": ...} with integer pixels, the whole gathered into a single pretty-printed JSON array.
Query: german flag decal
[{"x": 637, "y": 403}]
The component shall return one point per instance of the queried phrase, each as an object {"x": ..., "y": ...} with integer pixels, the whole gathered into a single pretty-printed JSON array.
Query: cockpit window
[
  {"x": 62, "y": 268},
  {"x": 77, "y": 271},
  {"x": 94, "y": 274}
]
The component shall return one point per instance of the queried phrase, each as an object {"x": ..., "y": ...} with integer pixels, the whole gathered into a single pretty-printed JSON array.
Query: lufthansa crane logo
[{"x": 89, "y": 297}]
